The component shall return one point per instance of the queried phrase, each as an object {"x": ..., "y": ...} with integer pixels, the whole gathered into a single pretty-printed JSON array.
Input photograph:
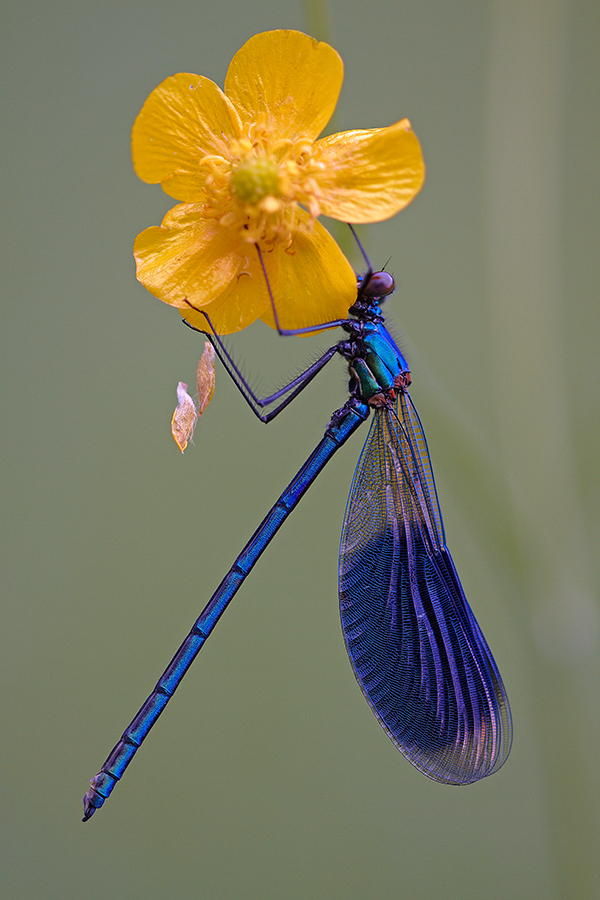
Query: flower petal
[
  {"x": 184, "y": 118},
  {"x": 290, "y": 78},
  {"x": 188, "y": 259},
  {"x": 368, "y": 176},
  {"x": 316, "y": 282},
  {"x": 241, "y": 303}
]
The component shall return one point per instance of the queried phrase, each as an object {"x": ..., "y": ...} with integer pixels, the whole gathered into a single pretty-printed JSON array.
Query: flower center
[
  {"x": 253, "y": 179},
  {"x": 256, "y": 191}
]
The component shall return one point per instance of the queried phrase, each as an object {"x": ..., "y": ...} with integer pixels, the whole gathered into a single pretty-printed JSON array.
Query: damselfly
[{"x": 417, "y": 651}]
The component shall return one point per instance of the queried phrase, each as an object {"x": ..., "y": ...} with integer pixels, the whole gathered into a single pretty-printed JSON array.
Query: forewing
[{"x": 417, "y": 651}]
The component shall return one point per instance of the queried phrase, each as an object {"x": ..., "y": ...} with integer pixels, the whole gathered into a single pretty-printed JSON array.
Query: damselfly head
[{"x": 379, "y": 284}]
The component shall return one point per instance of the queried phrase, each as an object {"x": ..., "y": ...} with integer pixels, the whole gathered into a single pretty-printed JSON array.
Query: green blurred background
[{"x": 268, "y": 776}]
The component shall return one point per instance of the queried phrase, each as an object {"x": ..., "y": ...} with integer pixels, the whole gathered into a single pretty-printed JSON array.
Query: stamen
[{"x": 256, "y": 191}]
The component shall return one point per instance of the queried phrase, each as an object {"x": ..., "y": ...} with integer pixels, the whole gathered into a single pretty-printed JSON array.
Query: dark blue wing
[{"x": 417, "y": 651}]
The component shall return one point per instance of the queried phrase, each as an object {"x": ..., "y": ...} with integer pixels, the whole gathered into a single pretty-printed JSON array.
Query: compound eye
[{"x": 380, "y": 284}]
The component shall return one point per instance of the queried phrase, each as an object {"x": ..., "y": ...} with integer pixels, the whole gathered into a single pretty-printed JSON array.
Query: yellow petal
[
  {"x": 316, "y": 282},
  {"x": 288, "y": 77},
  {"x": 184, "y": 418},
  {"x": 205, "y": 377},
  {"x": 244, "y": 301},
  {"x": 189, "y": 259},
  {"x": 368, "y": 176},
  {"x": 184, "y": 118}
]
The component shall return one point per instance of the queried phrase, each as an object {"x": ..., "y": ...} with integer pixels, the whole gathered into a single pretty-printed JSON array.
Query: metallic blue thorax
[{"x": 377, "y": 365}]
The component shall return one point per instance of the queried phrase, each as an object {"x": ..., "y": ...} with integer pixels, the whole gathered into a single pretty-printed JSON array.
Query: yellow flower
[{"x": 251, "y": 173}]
